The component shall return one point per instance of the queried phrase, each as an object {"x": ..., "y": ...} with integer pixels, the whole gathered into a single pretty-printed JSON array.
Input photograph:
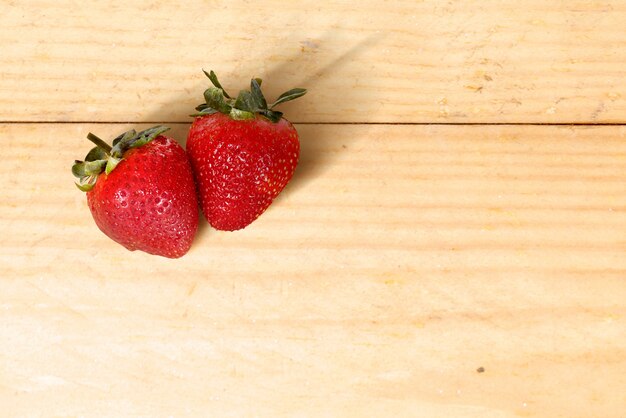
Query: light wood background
[{"x": 460, "y": 204}]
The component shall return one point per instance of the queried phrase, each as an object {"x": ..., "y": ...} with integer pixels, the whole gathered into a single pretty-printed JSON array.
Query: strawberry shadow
[
  {"x": 315, "y": 154},
  {"x": 314, "y": 135}
]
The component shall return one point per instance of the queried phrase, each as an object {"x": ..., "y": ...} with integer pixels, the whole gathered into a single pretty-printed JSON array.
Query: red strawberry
[
  {"x": 141, "y": 192},
  {"x": 242, "y": 153}
]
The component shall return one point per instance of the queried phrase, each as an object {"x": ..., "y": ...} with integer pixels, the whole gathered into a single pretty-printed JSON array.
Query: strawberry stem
[
  {"x": 246, "y": 105},
  {"x": 99, "y": 142}
]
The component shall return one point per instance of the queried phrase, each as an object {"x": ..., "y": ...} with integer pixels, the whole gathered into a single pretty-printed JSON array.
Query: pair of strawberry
[{"x": 143, "y": 190}]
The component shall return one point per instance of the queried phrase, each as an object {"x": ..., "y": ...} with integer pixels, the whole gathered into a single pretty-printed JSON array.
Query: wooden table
[{"x": 453, "y": 242}]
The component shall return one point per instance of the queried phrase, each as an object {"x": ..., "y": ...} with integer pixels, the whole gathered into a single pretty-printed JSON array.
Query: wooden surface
[
  {"x": 399, "y": 61},
  {"x": 401, "y": 259}
]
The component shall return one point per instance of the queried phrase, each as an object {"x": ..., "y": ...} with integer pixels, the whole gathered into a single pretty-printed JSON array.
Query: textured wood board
[
  {"x": 401, "y": 61},
  {"x": 399, "y": 261}
]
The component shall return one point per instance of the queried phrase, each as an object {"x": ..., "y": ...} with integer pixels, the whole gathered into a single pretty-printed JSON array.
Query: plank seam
[{"x": 51, "y": 122}]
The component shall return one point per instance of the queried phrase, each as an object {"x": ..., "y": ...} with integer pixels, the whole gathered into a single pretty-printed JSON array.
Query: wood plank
[
  {"x": 399, "y": 261},
  {"x": 401, "y": 61}
]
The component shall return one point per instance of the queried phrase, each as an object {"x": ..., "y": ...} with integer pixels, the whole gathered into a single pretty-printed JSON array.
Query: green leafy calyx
[
  {"x": 246, "y": 105},
  {"x": 104, "y": 157}
]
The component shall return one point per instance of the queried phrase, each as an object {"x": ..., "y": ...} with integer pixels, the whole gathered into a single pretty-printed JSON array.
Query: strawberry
[
  {"x": 243, "y": 153},
  {"x": 141, "y": 191}
]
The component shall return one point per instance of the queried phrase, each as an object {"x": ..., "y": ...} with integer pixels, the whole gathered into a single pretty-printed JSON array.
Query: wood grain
[
  {"x": 399, "y": 261},
  {"x": 402, "y": 61}
]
